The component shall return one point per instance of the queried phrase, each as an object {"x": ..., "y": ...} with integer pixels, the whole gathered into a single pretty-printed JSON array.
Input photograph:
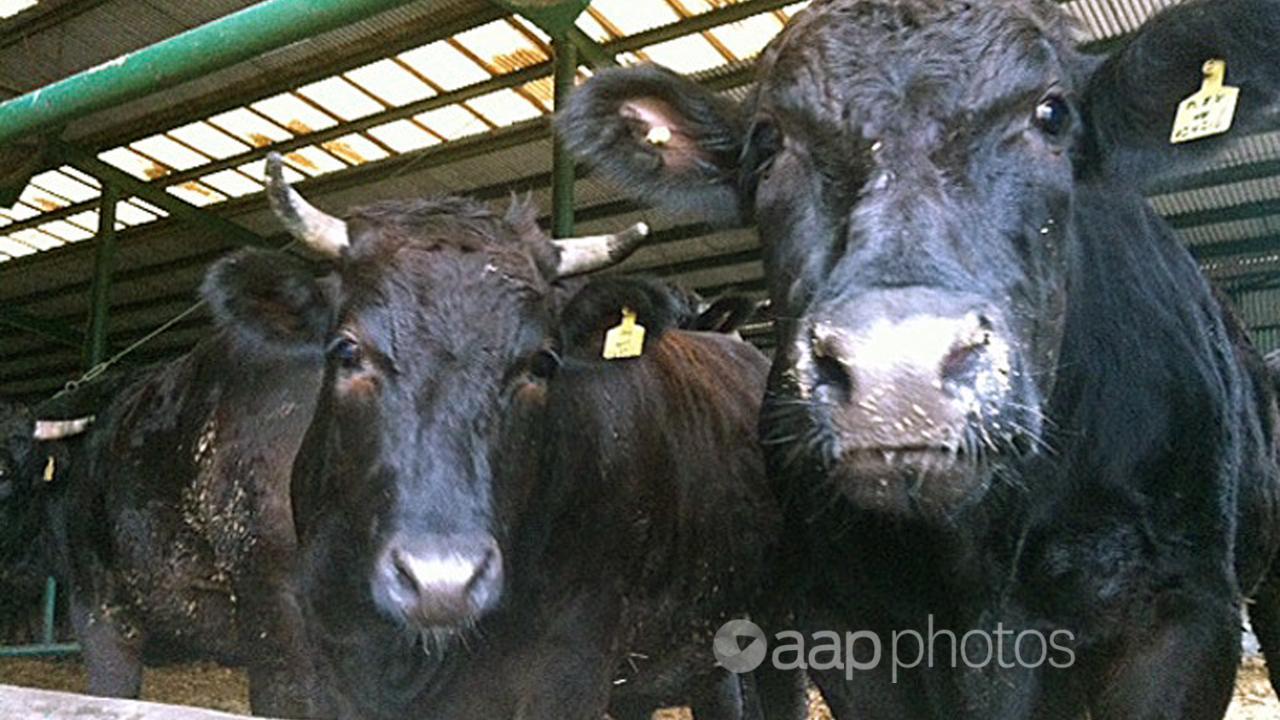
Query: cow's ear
[
  {"x": 662, "y": 137},
  {"x": 1132, "y": 98},
  {"x": 271, "y": 301}
]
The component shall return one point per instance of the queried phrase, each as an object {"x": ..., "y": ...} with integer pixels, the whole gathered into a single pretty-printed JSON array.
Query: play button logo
[{"x": 739, "y": 646}]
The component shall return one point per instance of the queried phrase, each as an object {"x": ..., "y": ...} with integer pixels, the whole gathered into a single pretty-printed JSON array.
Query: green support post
[
  {"x": 562, "y": 166},
  {"x": 95, "y": 350},
  {"x": 215, "y": 45}
]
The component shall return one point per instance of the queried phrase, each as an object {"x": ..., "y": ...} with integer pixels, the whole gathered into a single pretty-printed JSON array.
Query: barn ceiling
[{"x": 437, "y": 96}]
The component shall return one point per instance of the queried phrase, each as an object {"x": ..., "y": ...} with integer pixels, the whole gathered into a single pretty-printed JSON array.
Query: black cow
[
  {"x": 1004, "y": 396},
  {"x": 23, "y": 565},
  {"x": 172, "y": 526},
  {"x": 496, "y": 521},
  {"x": 34, "y": 464}
]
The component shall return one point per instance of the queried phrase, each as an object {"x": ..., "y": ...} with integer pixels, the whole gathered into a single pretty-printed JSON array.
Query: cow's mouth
[{"x": 908, "y": 479}]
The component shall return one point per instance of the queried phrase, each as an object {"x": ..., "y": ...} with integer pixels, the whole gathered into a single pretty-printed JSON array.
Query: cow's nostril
[
  {"x": 404, "y": 574},
  {"x": 964, "y": 361},
  {"x": 483, "y": 570},
  {"x": 832, "y": 376}
]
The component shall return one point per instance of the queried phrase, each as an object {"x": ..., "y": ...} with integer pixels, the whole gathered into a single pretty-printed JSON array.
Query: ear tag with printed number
[
  {"x": 48, "y": 470},
  {"x": 626, "y": 340},
  {"x": 1208, "y": 112}
]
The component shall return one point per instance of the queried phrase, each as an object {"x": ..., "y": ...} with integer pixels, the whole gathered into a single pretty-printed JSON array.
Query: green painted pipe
[
  {"x": 226, "y": 41},
  {"x": 95, "y": 350},
  {"x": 39, "y": 650},
  {"x": 562, "y": 170},
  {"x": 50, "y": 611}
]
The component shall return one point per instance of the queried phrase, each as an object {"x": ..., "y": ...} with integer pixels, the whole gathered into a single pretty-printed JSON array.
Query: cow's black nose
[{"x": 441, "y": 580}]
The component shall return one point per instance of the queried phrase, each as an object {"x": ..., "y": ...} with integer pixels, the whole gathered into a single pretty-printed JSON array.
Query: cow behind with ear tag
[
  {"x": 1003, "y": 396},
  {"x": 496, "y": 521}
]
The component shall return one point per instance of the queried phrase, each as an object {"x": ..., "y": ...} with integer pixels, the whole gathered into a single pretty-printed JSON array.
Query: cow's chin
[{"x": 915, "y": 482}]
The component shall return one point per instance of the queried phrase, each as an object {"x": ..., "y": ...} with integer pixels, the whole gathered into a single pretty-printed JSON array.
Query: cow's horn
[
  {"x": 58, "y": 429},
  {"x": 323, "y": 233},
  {"x": 595, "y": 252}
]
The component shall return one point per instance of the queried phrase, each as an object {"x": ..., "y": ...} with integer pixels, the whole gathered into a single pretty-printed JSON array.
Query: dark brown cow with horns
[{"x": 493, "y": 527}]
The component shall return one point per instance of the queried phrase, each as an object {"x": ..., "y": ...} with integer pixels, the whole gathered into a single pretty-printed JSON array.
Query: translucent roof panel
[
  {"x": 196, "y": 193},
  {"x": 291, "y": 112},
  {"x": 341, "y": 99},
  {"x": 403, "y": 136},
  {"x": 9, "y": 8},
  {"x": 451, "y": 122},
  {"x": 11, "y": 248},
  {"x": 250, "y": 127},
  {"x": 356, "y": 149},
  {"x": 632, "y": 16},
  {"x": 588, "y": 24},
  {"x": 689, "y": 54},
  {"x": 504, "y": 107},
  {"x": 746, "y": 38},
  {"x": 131, "y": 214},
  {"x": 169, "y": 152},
  {"x": 209, "y": 140},
  {"x": 390, "y": 82},
  {"x": 502, "y": 47},
  {"x": 65, "y": 185},
  {"x": 20, "y": 211},
  {"x": 65, "y": 231},
  {"x": 136, "y": 165},
  {"x": 37, "y": 239},
  {"x": 311, "y": 160},
  {"x": 231, "y": 183},
  {"x": 42, "y": 200},
  {"x": 445, "y": 65}
]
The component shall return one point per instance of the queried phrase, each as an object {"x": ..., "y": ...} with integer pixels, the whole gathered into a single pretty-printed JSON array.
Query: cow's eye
[
  {"x": 765, "y": 143},
  {"x": 544, "y": 363},
  {"x": 346, "y": 351},
  {"x": 1053, "y": 116}
]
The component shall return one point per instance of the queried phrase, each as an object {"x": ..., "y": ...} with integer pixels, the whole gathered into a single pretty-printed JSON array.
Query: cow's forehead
[
  {"x": 456, "y": 296},
  {"x": 870, "y": 63}
]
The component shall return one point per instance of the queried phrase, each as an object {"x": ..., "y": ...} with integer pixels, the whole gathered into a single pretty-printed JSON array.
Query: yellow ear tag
[
  {"x": 48, "y": 470},
  {"x": 1209, "y": 111},
  {"x": 658, "y": 136},
  {"x": 625, "y": 340}
]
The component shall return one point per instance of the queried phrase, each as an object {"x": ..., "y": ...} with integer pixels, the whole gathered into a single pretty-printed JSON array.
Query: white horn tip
[
  {"x": 275, "y": 167},
  {"x": 58, "y": 429}
]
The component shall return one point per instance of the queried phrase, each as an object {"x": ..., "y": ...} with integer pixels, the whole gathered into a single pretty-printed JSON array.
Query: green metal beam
[
  {"x": 42, "y": 650},
  {"x": 562, "y": 162},
  {"x": 215, "y": 45},
  {"x": 554, "y": 17},
  {"x": 595, "y": 54},
  {"x": 56, "y": 331},
  {"x": 95, "y": 350},
  {"x": 180, "y": 210}
]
